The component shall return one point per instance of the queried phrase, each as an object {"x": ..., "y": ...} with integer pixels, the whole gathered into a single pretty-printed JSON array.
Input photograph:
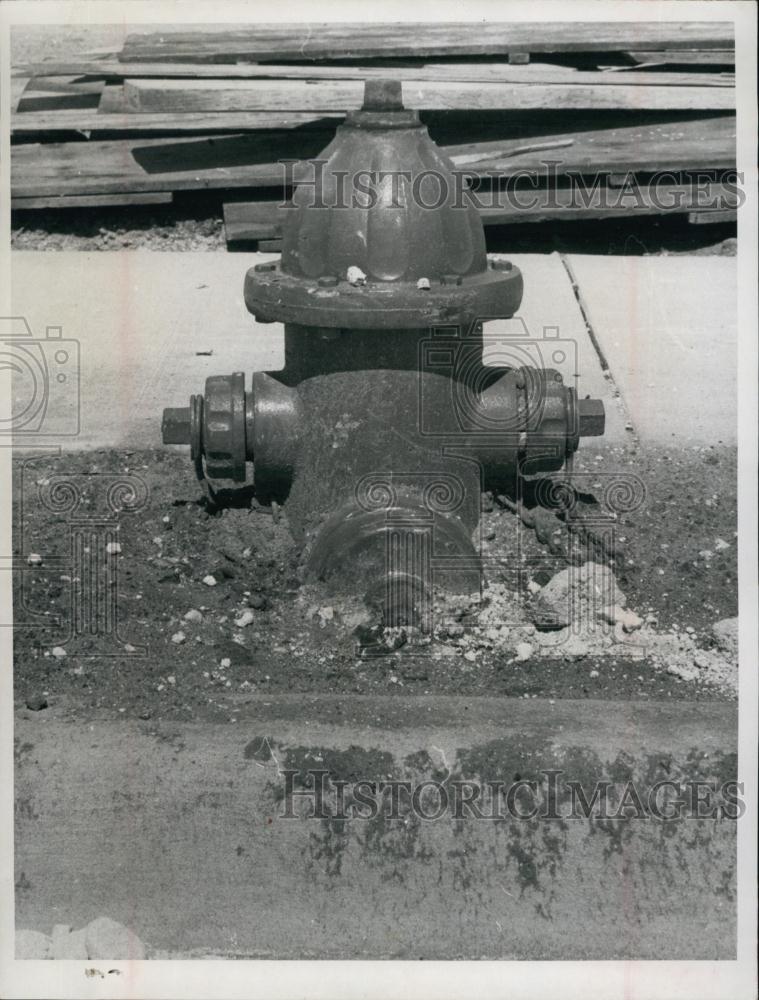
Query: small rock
[
  {"x": 622, "y": 616},
  {"x": 178, "y": 638},
  {"x": 107, "y": 939},
  {"x": 593, "y": 673},
  {"x": 225, "y": 663},
  {"x": 685, "y": 671},
  {"x": 523, "y": 651},
  {"x": 726, "y": 635},
  {"x": 193, "y": 615},
  {"x": 36, "y": 702},
  {"x": 423, "y": 284},
  {"x": 355, "y": 276},
  {"x": 706, "y": 554},
  {"x": 113, "y": 548},
  {"x": 209, "y": 580},
  {"x": 720, "y": 545},
  {"x": 533, "y": 587},
  {"x": 326, "y": 614},
  {"x": 32, "y": 944},
  {"x": 470, "y": 655},
  {"x": 58, "y": 652},
  {"x": 701, "y": 660},
  {"x": 34, "y": 559},
  {"x": 245, "y": 619},
  {"x": 578, "y": 591}
]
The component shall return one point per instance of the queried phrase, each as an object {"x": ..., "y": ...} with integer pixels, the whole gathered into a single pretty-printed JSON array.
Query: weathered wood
[
  {"x": 300, "y": 95},
  {"x": 112, "y": 100},
  {"x": 431, "y": 71},
  {"x": 94, "y": 200},
  {"x": 68, "y": 84},
  {"x": 686, "y": 57},
  {"x": 92, "y": 121},
  {"x": 256, "y": 221},
  {"x": 712, "y": 216},
  {"x": 230, "y": 161},
  {"x": 18, "y": 86},
  {"x": 346, "y": 41},
  {"x": 56, "y": 101}
]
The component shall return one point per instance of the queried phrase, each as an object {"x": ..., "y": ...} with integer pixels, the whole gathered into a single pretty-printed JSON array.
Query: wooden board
[
  {"x": 94, "y": 200},
  {"x": 92, "y": 120},
  {"x": 478, "y": 71},
  {"x": 686, "y": 57},
  {"x": 374, "y": 40},
  {"x": 341, "y": 95},
  {"x": 246, "y": 222},
  {"x": 228, "y": 161}
]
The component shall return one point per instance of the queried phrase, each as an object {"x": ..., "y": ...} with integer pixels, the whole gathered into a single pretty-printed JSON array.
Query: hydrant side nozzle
[
  {"x": 175, "y": 425},
  {"x": 591, "y": 417}
]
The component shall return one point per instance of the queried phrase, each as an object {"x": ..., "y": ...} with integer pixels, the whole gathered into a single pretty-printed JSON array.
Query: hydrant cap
[
  {"x": 382, "y": 201},
  {"x": 385, "y": 199}
]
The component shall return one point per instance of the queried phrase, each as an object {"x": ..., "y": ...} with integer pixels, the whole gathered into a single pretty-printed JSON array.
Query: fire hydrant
[{"x": 385, "y": 425}]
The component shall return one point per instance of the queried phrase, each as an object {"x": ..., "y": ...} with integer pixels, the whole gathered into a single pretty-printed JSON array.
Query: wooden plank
[
  {"x": 297, "y": 95},
  {"x": 91, "y": 120},
  {"x": 18, "y": 86},
  {"x": 712, "y": 216},
  {"x": 347, "y": 41},
  {"x": 94, "y": 200},
  {"x": 112, "y": 100},
  {"x": 686, "y": 57},
  {"x": 230, "y": 161},
  {"x": 246, "y": 222},
  {"x": 502, "y": 72}
]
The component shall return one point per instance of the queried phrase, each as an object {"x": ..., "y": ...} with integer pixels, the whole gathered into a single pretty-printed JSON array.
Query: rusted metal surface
[{"x": 384, "y": 425}]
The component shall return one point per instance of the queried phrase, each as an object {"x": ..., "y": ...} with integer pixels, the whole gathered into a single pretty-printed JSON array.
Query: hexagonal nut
[
  {"x": 175, "y": 425},
  {"x": 591, "y": 417}
]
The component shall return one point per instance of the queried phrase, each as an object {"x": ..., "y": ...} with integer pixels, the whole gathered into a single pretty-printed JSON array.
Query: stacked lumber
[{"x": 219, "y": 109}]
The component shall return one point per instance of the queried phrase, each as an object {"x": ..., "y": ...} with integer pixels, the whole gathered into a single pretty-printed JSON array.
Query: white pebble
[
  {"x": 209, "y": 580},
  {"x": 356, "y": 276},
  {"x": 470, "y": 655},
  {"x": 523, "y": 651},
  {"x": 594, "y": 673},
  {"x": 534, "y": 588},
  {"x": 34, "y": 559},
  {"x": 423, "y": 284},
  {"x": 58, "y": 652},
  {"x": 193, "y": 615},
  {"x": 171, "y": 679},
  {"x": 178, "y": 638},
  {"x": 245, "y": 619},
  {"x": 225, "y": 663},
  {"x": 113, "y": 548}
]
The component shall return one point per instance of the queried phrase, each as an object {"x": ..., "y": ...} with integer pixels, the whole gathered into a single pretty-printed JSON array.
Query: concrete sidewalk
[{"x": 146, "y": 323}]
